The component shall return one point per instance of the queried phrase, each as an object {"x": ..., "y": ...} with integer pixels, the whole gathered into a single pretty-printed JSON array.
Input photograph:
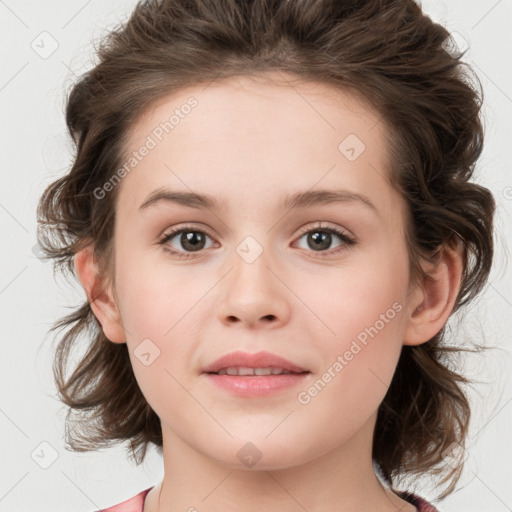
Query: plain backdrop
[{"x": 44, "y": 46}]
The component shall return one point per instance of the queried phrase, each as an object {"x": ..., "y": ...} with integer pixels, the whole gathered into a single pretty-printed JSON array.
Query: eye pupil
[{"x": 321, "y": 239}]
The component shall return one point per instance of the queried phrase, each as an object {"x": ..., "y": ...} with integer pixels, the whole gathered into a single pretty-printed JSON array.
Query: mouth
[{"x": 245, "y": 374}]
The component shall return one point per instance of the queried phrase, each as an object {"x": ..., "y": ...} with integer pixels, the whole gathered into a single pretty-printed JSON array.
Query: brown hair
[{"x": 389, "y": 52}]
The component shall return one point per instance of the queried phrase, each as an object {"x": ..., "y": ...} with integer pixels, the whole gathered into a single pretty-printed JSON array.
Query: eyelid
[{"x": 321, "y": 225}]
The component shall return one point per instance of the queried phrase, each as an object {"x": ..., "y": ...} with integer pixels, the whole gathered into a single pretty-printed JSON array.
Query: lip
[
  {"x": 254, "y": 385},
  {"x": 248, "y": 360}
]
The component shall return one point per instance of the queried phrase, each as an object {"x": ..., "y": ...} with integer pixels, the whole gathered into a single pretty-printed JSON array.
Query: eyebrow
[{"x": 293, "y": 201}]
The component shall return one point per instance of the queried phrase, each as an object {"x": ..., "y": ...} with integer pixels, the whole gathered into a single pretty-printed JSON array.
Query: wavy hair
[{"x": 386, "y": 51}]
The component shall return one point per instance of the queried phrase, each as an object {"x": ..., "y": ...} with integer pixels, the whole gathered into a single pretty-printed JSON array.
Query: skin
[{"x": 249, "y": 142}]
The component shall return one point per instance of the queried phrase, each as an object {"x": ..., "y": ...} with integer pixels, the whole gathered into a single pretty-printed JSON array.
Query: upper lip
[{"x": 248, "y": 360}]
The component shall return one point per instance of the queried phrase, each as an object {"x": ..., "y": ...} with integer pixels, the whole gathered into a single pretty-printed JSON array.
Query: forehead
[
  {"x": 247, "y": 136},
  {"x": 271, "y": 98}
]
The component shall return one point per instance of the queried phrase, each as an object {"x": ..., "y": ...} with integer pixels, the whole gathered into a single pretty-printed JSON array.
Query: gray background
[{"x": 44, "y": 45}]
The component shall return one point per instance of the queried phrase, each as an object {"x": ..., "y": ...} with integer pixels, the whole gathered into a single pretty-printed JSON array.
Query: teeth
[
  {"x": 265, "y": 371},
  {"x": 252, "y": 371}
]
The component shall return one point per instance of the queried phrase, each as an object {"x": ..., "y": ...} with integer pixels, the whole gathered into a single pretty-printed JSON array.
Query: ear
[
  {"x": 101, "y": 300},
  {"x": 431, "y": 306}
]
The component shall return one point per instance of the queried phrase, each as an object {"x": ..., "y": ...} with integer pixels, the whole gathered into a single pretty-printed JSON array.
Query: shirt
[{"x": 136, "y": 504}]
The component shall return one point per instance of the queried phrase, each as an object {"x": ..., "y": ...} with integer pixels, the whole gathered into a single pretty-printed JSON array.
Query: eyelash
[{"x": 348, "y": 241}]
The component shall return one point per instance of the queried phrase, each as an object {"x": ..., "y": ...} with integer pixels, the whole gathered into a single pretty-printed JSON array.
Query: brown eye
[
  {"x": 183, "y": 241},
  {"x": 321, "y": 239}
]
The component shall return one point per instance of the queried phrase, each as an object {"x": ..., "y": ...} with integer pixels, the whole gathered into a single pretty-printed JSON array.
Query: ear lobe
[
  {"x": 431, "y": 306},
  {"x": 100, "y": 299}
]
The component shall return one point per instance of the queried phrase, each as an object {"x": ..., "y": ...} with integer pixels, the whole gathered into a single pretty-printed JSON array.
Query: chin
[{"x": 261, "y": 454}]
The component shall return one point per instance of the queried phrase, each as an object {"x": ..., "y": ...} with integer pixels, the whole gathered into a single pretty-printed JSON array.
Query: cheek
[
  {"x": 343, "y": 302},
  {"x": 362, "y": 313},
  {"x": 359, "y": 364},
  {"x": 159, "y": 307},
  {"x": 154, "y": 296},
  {"x": 340, "y": 402}
]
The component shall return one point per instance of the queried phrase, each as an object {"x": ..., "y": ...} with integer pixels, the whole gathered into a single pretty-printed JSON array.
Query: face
[{"x": 276, "y": 263}]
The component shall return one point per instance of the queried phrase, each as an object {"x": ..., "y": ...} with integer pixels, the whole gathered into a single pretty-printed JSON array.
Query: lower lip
[{"x": 256, "y": 385}]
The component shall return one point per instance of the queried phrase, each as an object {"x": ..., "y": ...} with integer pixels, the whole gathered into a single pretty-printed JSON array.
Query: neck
[{"x": 341, "y": 480}]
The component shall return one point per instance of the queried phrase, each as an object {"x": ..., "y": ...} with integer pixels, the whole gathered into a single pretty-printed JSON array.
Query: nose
[{"x": 253, "y": 295}]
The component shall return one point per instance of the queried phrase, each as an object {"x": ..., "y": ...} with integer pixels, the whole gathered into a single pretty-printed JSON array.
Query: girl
[{"x": 271, "y": 215}]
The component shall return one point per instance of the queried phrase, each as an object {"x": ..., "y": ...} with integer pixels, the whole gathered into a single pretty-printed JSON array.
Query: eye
[
  {"x": 191, "y": 240},
  {"x": 321, "y": 238}
]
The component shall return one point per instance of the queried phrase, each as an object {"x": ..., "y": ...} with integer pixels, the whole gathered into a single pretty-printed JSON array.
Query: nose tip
[{"x": 253, "y": 296}]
